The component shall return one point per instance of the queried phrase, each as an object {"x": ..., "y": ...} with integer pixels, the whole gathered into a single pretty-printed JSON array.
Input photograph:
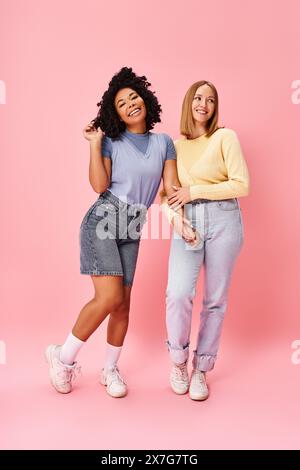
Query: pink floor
[{"x": 254, "y": 402}]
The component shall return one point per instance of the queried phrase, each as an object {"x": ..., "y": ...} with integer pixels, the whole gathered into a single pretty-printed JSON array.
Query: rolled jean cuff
[
  {"x": 203, "y": 362},
  {"x": 178, "y": 355}
]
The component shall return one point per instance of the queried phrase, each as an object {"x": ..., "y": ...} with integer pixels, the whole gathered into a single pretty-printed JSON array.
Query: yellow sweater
[{"x": 213, "y": 167}]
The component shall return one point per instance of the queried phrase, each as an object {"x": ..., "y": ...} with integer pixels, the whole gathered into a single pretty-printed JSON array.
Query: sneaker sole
[
  {"x": 118, "y": 395},
  {"x": 177, "y": 392},
  {"x": 197, "y": 398}
]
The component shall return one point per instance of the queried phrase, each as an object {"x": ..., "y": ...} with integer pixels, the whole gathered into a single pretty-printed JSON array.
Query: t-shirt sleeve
[
  {"x": 171, "y": 152},
  {"x": 106, "y": 149}
]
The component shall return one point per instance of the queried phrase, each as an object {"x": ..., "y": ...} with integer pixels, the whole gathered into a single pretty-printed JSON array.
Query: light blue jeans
[{"x": 220, "y": 226}]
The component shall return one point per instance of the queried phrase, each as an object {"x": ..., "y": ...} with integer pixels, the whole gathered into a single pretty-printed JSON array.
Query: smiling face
[
  {"x": 130, "y": 108},
  {"x": 203, "y": 104}
]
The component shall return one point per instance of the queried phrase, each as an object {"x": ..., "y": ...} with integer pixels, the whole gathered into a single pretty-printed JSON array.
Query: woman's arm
[
  {"x": 170, "y": 181},
  {"x": 99, "y": 167},
  {"x": 237, "y": 184}
]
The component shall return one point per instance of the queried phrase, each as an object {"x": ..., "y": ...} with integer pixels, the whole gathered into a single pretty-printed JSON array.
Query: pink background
[{"x": 56, "y": 61}]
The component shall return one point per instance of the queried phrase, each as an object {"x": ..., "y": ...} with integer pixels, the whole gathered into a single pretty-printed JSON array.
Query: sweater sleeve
[{"x": 237, "y": 184}]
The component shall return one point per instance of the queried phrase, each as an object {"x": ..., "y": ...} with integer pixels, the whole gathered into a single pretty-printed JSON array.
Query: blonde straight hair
[{"x": 187, "y": 123}]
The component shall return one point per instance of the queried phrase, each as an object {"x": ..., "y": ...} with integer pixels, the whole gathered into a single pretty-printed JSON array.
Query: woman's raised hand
[{"x": 92, "y": 134}]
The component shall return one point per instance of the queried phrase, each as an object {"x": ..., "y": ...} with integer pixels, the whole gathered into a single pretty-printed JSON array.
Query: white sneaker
[
  {"x": 198, "y": 386},
  {"x": 61, "y": 375},
  {"x": 115, "y": 385},
  {"x": 179, "y": 378}
]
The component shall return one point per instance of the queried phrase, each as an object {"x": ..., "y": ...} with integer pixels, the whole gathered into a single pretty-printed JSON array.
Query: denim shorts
[{"x": 109, "y": 238}]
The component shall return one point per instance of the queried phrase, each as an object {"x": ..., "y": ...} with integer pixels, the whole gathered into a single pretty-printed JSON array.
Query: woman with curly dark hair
[{"x": 126, "y": 167}]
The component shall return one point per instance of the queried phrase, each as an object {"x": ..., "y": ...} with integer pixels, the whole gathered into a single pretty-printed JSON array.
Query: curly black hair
[{"x": 107, "y": 118}]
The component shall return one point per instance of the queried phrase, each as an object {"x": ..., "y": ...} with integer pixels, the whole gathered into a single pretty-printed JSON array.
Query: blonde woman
[{"x": 213, "y": 174}]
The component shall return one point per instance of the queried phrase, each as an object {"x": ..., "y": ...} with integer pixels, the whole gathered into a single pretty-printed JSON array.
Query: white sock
[
  {"x": 70, "y": 349},
  {"x": 112, "y": 356}
]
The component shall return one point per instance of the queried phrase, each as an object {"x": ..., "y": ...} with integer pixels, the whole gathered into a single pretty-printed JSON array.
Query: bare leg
[
  {"x": 109, "y": 296},
  {"x": 118, "y": 320}
]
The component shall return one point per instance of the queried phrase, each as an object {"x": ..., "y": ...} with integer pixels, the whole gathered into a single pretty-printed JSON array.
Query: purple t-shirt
[{"x": 137, "y": 164}]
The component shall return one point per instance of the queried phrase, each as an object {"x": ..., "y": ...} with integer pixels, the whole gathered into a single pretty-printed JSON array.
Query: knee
[
  {"x": 213, "y": 307},
  {"x": 121, "y": 311},
  {"x": 112, "y": 301},
  {"x": 180, "y": 294},
  {"x": 116, "y": 302}
]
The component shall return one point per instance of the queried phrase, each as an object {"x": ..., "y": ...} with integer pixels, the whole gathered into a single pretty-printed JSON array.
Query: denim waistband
[
  {"x": 118, "y": 203},
  {"x": 110, "y": 197},
  {"x": 200, "y": 201}
]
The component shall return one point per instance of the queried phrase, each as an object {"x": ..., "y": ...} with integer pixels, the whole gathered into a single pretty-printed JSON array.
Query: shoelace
[
  {"x": 114, "y": 376},
  {"x": 198, "y": 376},
  {"x": 68, "y": 375},
  {"x": 180, "y": 372}
]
